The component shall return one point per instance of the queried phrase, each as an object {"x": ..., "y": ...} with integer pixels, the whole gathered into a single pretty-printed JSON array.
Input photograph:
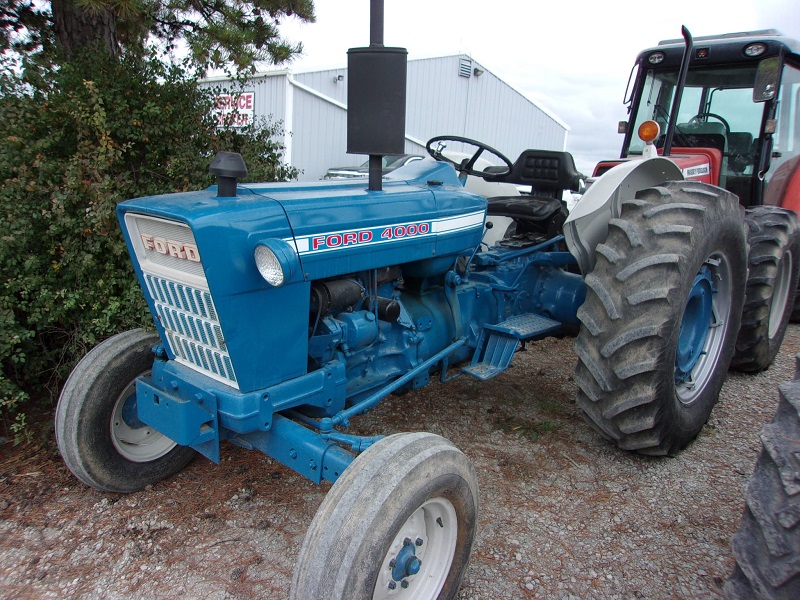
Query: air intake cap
[{"x": 227, "y": 167}]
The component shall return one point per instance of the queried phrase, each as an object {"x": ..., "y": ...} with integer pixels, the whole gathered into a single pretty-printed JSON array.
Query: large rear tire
[
  {"x": 662, "y": 310},
  {"x": 774, "y": 268},
  {"x": 767, "y": 546},
  {"x": 399, "y": 523},
  {"x": 97, "y": 429}
]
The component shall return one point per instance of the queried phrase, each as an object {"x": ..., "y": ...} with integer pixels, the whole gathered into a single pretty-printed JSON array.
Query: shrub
[{"x": 77, "y": 140}]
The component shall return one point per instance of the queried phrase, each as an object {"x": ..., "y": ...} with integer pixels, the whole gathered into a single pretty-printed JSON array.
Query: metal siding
[
  {"x": 439, "y": 102},
  {"x": 326, "y": 82},
  {"x": 437, "y": 98},
  {"x": 319, "y": 138}
]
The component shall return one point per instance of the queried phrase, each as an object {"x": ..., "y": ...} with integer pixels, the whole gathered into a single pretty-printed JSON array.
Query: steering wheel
[
  {"x": 695, "y": 120},
  {"x": 467, "y": 165}
]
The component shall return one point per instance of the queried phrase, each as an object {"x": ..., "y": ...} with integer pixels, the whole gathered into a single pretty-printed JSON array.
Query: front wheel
[
  {"x": 662, "y": 310},
  {"x": 399, "y": 523},
  {"x": 97, "y": 428}
]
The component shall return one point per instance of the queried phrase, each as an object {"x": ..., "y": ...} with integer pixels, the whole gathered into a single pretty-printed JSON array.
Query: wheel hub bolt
[
  {"x": 419, "y": 542},
  {"x": 404, "y": 584},
  {"x": 392, "y": 585},
  {"x": 413, "y": 566}
]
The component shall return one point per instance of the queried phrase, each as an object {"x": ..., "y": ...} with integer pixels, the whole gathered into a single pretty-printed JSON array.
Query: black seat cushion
[{"x": 530, "y": 208}]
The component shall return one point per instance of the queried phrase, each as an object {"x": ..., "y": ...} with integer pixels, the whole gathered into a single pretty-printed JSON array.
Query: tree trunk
[{"x": 78, "y": 27}]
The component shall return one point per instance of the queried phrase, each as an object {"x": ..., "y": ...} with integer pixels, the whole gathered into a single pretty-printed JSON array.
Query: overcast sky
[{"x": 573, "y": 57}]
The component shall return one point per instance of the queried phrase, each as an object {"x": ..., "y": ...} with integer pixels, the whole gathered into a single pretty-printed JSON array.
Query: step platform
[{"x": 497, "y": 343}]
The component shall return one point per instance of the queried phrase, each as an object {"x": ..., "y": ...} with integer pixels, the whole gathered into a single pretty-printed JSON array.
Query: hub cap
[
  {"x": 419, "y": 558},
  {"x": 133, "y": 439},
  {"x": 702, "y": 333}
]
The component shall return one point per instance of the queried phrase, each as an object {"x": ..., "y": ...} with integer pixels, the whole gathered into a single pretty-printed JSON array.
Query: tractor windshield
[{"x": 716, "y": 110}]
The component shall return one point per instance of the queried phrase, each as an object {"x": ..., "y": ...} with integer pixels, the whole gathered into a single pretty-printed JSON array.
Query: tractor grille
[
  {"x": 175, "y": 280},
  {"x": 193, "y": 331}
]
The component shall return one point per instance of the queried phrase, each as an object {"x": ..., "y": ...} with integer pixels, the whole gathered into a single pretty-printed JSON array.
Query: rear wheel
[
  {"x": 662, "y": 310},
  {"x": 774, "y": 267},
  {"x": 97, "y": 428},
  {"x": 399, "y": 523},
  {"x": 767, "y": 546}
]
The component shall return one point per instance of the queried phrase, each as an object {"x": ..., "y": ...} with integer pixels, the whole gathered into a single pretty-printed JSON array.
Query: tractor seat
[{"x": 549, "y": 173}]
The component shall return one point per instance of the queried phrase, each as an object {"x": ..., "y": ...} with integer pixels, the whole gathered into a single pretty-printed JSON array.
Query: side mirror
[{"x": 766, "y": 85}]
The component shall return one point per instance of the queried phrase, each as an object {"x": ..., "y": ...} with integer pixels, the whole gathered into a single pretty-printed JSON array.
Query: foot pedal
[{"x": 497, "y": 343}]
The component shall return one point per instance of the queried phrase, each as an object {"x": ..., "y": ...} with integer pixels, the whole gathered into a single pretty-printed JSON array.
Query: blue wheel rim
[
  {"x": 704, "y": 329},
  {"x": 695, "y": 326}
]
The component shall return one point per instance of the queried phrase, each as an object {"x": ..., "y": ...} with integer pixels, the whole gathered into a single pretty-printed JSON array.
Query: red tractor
[{"x": 726, "y": 111}]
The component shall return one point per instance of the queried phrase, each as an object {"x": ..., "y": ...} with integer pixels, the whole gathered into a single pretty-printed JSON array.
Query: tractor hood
[{"x": 335, "y": 227}]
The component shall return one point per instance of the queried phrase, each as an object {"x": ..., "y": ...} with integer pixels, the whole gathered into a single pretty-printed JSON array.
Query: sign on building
[{"x": 235, "y": 110}]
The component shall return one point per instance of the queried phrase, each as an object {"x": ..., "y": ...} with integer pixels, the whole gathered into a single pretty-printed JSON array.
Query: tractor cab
[{"x": 732, "y": 119}]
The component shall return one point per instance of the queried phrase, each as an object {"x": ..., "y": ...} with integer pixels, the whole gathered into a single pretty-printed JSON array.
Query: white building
[{"x": 449, "y": 95}]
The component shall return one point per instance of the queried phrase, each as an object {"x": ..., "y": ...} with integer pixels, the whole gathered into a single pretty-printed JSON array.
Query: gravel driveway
[{"x": 563, "y": 513}]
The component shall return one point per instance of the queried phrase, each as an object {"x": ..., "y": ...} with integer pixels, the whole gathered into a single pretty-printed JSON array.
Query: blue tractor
[{"x": 283, "y": 311}]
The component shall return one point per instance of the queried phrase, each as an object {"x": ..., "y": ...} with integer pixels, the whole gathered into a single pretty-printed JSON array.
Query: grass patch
[{"x": 525, "y": 429}]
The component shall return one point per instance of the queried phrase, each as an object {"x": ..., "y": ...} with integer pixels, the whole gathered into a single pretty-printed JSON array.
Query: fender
[
  {"x": 587, "y": 224},
  {"x": 783, "y": 188}
]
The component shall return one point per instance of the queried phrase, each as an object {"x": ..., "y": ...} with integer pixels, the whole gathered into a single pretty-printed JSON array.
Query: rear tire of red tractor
[
  {"x": 398, "y": 523},
  {"x": 662, "y": 310},
  {"x": 774, "y": 269},
  {"x": 767, "y": 545}
]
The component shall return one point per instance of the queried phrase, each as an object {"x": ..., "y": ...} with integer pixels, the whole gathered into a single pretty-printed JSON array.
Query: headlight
[
  {"x": 756, "y": 49},
  {"x": 276, "y": 261}
]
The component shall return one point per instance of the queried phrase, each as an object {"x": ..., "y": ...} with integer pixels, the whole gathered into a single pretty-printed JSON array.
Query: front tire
[
  {"x": 767, "y": 546},
  {"x": 662, "y": 310},
  {"x": 399, "y": 523},
  {"x": 774, "y": 268},
  {"x": 97, "y": 430}
]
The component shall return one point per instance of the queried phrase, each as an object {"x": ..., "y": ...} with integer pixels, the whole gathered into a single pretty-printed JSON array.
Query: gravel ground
[{"x": 563, "y": 513}]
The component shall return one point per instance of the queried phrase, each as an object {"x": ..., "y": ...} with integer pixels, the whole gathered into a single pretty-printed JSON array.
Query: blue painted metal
[
  {"x": 695, "y": 325},
  {"x": 300, "y": 449},
  {"x": 239, "y": 356},
  {"x": 130, "y": 412},
  {"x": 371, "y": 402},
  {"x": 498, "y": 343},
  {"x": 406, "y": 563}
]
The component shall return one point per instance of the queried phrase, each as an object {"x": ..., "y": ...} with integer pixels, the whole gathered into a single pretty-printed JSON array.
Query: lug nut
[
  {"x": 393, "y": 563},
  {"x": 392, "y": 585},
  {"x": 419, "y": 542},
  {"x": 404, "y": 584}
]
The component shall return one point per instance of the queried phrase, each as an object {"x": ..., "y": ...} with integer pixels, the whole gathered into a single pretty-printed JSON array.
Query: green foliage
[
  {"x": 215, "y": 32},
  {"x": 75, "y": 142}
]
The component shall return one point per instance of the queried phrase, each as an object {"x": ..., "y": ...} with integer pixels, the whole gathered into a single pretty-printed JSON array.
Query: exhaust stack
[{"x": 376, "y": 98}]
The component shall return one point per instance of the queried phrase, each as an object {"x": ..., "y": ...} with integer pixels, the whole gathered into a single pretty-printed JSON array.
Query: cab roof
[{"x": 725, "y": 48}]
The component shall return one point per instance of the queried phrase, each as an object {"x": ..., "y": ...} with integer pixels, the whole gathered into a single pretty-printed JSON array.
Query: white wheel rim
[
  {"x": 137, "y": 444},
  {"x": 780, "y": 294},
  {"x": 435, "y": 524}
]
